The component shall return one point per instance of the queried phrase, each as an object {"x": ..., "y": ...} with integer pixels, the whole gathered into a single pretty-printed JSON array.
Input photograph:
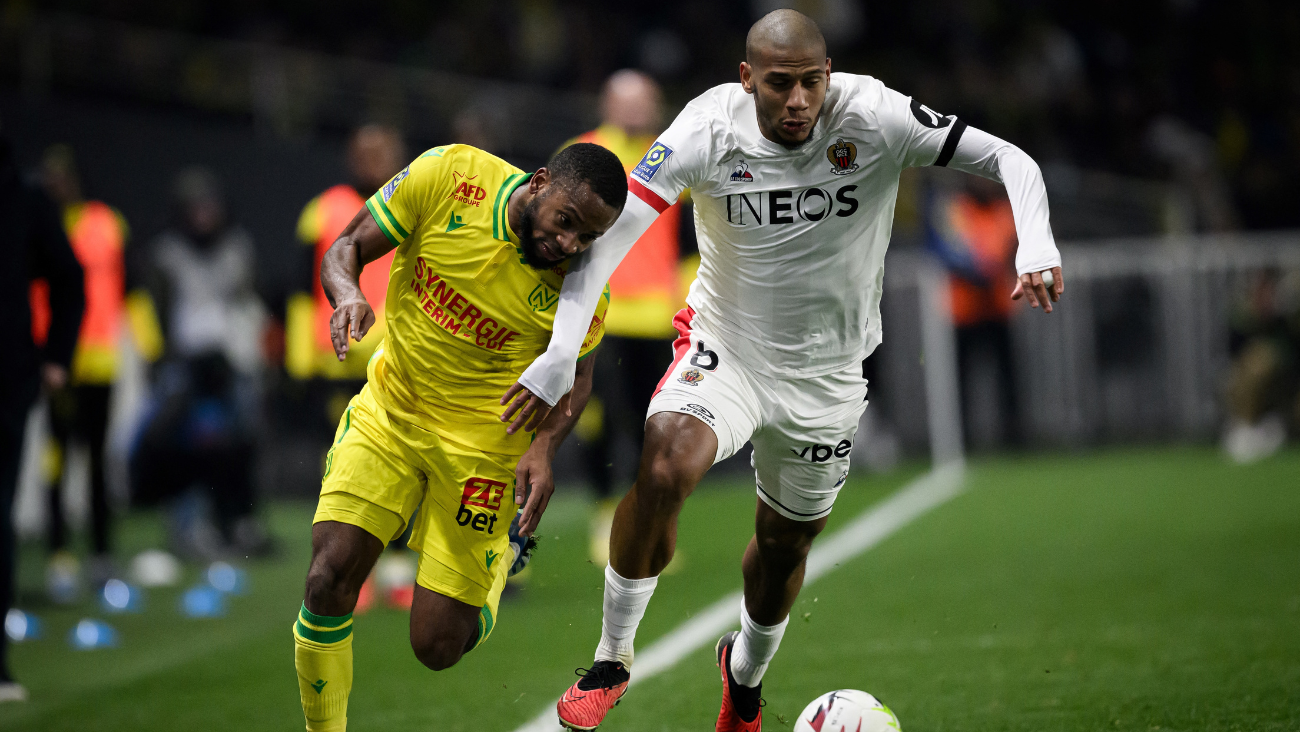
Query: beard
[{"x": 530, "y": 244}]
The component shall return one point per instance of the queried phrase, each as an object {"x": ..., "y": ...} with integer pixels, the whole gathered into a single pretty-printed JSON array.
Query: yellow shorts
[{"x": 381, "y": 470}]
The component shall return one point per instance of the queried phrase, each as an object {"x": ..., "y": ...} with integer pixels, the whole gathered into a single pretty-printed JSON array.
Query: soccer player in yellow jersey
[{"x": 481, "y": 250}]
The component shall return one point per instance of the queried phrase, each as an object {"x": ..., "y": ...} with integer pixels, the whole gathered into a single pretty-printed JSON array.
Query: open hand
[
  {"x": 534, "y": 484},
  {"x": 527, "y": 410},
  {"x": 1031, "y": 286},
  {"x": 354, "y": 317}
]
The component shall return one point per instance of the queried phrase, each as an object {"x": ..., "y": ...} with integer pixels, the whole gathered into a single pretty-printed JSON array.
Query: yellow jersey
[{"x": 465, "y": 313}]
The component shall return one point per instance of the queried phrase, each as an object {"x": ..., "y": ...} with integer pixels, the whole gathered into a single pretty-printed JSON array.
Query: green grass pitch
[{"x": 1121, "y": 590}]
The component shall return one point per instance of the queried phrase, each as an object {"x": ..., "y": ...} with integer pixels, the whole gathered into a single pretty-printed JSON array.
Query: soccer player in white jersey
[{"x": 794, "y": 174}]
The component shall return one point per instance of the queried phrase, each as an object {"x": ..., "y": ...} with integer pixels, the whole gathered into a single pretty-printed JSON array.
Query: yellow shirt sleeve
[
  {"x": 596, "y": 331},
  {"x": 401, "y": 204}
]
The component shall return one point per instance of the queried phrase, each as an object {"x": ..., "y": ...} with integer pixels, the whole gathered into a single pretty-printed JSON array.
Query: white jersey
[{"x": 792, "y": 241}]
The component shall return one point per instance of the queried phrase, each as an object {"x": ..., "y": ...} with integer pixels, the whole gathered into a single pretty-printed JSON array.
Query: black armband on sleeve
[{"x": 950, "y": 144}]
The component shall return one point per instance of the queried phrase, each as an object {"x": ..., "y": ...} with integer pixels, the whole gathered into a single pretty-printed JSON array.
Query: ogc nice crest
[{"x": 842, "y": 156}]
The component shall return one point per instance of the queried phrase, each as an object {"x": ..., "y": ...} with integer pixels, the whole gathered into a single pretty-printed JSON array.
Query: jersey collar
[{"x": 501, "y": 205}]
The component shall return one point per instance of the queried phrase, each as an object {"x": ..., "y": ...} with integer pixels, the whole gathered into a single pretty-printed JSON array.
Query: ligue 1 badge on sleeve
[
  {"x": 842, "y": 156},
  {"x": 650, "y": 164}
]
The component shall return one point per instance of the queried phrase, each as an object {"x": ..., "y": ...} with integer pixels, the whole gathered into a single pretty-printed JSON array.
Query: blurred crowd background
[{"x": 203, "y": 154}]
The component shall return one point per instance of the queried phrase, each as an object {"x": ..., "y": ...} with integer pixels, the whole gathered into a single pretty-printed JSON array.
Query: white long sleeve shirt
[{"x": 792, "y": 241}]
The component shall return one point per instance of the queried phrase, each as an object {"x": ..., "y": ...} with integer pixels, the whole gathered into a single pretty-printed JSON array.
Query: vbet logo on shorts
[
  {"x": 650, "y": 164},
  {"x": 822, "y": 453},
  {"x": 481, "y": 493}
]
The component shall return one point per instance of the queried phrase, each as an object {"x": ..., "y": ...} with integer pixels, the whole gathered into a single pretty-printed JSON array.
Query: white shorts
[{"x": 802, "y": 429}]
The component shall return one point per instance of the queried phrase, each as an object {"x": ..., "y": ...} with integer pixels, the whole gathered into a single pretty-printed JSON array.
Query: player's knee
[
  {"x": 664, "y": 485},
  {"x": 327, "y": 590},
  {"x": 438, "y": 651},
  {"x": 789, "y": 542}
]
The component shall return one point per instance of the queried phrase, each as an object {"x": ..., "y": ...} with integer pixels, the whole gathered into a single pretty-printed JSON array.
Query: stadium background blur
[{"x": 1168, "y": 132}]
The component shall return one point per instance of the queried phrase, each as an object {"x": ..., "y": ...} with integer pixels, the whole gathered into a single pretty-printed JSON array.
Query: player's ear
[
  {"x": 747, "y": 77},
  {"x": 540, "y": 180}
]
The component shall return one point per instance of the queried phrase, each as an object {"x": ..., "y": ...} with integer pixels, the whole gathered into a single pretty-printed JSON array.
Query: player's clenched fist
[{"x": 354, "y": 317}]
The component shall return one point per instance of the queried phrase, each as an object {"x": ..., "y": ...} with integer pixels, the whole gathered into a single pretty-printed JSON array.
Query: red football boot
[
  {"x": 742, "y": 706},
  {"x": 585, "y": 704}
]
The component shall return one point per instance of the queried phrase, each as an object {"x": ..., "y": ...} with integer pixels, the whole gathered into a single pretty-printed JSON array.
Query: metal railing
[{"x": 1138, "y": 349}]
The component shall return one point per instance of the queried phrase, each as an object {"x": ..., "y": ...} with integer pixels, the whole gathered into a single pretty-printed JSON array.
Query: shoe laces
[{"x": 601, "y": 675}]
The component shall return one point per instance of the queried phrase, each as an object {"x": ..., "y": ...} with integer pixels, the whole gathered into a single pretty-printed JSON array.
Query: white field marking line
[{"x": 866, "y": 531}]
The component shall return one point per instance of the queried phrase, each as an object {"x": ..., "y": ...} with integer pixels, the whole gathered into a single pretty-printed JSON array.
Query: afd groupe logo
[
  {"x": 652, "y": 162},
  {"x": 822, "y": 453},
  {"x": 543, "y": 297},
  {"x": 480, "y": 493},
  {"x": 391, "y": 187}
]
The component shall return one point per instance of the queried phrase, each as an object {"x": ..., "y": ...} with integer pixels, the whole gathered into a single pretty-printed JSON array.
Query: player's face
[
  {"x": 559, "y": 223},
  {"x": 789, "y": 88}
]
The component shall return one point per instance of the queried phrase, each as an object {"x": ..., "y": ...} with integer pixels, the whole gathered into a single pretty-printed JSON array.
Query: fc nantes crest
[
  {"x": 542, "y": 298},
  {"x": 842, "y": 156}
]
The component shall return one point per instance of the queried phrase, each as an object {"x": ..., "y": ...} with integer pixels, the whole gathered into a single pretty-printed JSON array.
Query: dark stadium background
[{"x": 1118, "y": 532}]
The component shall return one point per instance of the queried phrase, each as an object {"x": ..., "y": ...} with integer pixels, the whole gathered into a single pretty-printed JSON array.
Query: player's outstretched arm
[
  {"x": 551, "y": 375},
  {"x": 361, "y": 243},
  {"x": 1037, "y": 258},
  {"x": 534, "y": 482}
]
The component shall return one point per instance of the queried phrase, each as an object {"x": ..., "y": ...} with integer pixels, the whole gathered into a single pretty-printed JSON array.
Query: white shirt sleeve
[
  {"x": 982, "y": 154},
  {"x": 916, "y": 134},
  {"x": 670, "y": 166},
  {"x": 551, "y": 375},
  {"x": 919, "y": 135}
]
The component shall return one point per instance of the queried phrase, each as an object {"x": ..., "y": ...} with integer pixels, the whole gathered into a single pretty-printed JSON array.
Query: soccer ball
[{"x": 846, "y": 710}]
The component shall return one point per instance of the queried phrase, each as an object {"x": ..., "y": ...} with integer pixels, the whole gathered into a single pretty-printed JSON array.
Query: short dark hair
[{"x": 585, "y": 162}]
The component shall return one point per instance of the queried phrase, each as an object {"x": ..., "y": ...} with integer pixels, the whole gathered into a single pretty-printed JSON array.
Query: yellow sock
[
  {"x": 487, "y": 617},
  {"x": 323, "y": 657}
]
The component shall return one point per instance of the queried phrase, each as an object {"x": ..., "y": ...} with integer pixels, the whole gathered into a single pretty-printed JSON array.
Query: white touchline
[{"x": 861, "y": 534}]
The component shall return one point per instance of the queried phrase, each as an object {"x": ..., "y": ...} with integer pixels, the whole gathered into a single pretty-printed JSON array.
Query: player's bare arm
[
  {"x": 534, "y": 481},
  {"x": 563, "y": 227},
  {"x": 361, "y": 243}
]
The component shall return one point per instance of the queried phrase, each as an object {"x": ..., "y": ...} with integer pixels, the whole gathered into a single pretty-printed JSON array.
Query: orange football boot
[
  {"x": 585, "y": 704},
  {"x": 738, "y": 702}
]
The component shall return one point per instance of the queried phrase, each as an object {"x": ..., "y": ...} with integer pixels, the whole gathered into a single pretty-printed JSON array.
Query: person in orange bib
[
  {"x": 375, "y": 153},
  {"x": 647, "y": 290},
  {"x": 79, "y": 411},
  {"x": 974, "y": 234}
]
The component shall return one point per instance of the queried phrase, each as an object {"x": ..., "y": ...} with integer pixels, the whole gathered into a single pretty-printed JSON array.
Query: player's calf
[
  {"x": 679, "y": 450},
  {"x": 342, "y": 556}
]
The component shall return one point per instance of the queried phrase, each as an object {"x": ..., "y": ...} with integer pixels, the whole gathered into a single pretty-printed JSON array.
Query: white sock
[
  {"x": 754, "y": 648},
  {"x": 625, "y": 603}
]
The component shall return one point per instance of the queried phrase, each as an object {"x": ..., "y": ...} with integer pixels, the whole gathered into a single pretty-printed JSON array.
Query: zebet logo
[
  {"x": 788, "y": 207},
  {"x": 822, "y": 453},
  {"x": 481, "y": 493}
]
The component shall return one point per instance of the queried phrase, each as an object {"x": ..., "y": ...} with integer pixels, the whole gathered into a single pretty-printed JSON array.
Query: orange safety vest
[
  {"x": 98, "y": 236},
  {"x": 646, "y": 288},
  {"x": 989, "y": 232}
]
